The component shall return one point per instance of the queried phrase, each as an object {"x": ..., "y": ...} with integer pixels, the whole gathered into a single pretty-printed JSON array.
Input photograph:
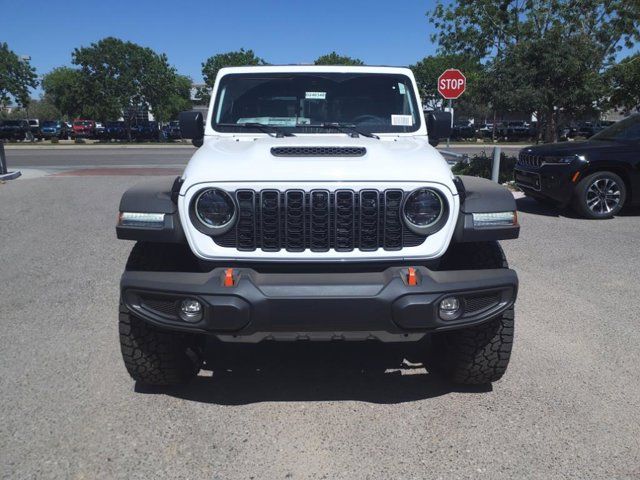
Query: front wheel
[
  {"x": 154, "y": 356},
  {"x": 476, "y": 355},
  {"x": 600, "y": 195}
]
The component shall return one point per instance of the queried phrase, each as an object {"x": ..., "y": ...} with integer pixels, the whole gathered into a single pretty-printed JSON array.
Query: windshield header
[{"x": 306, "y": 102}]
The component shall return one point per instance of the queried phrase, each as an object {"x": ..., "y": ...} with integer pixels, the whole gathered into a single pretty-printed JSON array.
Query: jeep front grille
[{"x": 295, "y": 220}]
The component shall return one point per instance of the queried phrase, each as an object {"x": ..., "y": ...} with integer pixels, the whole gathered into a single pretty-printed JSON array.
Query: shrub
[{"x": 480, "y": 166}]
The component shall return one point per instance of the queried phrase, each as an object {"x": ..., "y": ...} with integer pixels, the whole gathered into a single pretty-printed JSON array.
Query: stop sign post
[{"x": 451, "y": 84}]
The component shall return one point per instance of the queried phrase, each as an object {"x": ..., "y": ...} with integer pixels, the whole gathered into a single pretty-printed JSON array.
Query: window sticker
[
  {"x": 315, "y": 95},
  {"x": 402, "y": 120},
  {"x": 401, "y": 88}
]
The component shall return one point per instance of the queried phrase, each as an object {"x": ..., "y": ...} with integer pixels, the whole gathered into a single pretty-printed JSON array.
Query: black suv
[
  {"x": 14, "y": 129},
  {"x": 596, "y": 177}
]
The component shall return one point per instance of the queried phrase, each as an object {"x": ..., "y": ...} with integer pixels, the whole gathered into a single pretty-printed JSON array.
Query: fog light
[
  {"x": 450, "y": 308},
  {"x": 190, "y": 310}
]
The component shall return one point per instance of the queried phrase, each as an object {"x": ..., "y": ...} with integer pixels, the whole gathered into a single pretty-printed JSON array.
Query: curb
[{"x": 10, "y": 176}]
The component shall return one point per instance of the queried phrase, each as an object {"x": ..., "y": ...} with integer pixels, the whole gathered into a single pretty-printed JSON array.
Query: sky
[{"x": 380, "y": 32}]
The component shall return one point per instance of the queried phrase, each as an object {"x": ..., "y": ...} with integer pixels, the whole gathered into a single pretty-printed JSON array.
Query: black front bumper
[
  {"x": 261, "y": 305},
  {"x": 549, "y": 181}
]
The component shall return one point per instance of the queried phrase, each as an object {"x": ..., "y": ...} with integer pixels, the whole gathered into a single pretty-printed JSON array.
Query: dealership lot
[{"x": 569, "y": 406}]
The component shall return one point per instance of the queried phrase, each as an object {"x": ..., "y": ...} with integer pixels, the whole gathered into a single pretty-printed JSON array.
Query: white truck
[{"x": 317, "y": 209}]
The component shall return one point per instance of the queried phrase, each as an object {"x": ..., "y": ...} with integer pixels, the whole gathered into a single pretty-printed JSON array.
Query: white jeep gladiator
[{"x": 316, "y": 208}]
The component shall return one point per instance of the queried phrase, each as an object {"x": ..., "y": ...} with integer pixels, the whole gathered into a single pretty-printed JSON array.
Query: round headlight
[
  {"x": 215, "y": 209},
  {"x": 423, "y": 211}
]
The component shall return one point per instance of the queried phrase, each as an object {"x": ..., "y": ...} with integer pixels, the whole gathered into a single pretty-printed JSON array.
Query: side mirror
[
  {"x": 438, "y": 126},
  {"x": 192, "y": 126}
]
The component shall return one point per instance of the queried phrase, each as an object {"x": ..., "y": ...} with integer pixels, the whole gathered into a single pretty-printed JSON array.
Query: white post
[{"x": 495, "y": 166}]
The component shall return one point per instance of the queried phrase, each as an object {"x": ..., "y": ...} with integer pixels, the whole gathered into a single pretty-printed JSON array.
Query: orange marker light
[
  {"x": 575, "y": 177},
  {"x": 228, "y": 277},
  {"x": 412, "y": 277}
]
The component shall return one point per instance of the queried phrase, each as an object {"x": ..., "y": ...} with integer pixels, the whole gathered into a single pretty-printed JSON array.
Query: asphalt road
[
  {"x": 568, "y": 407},
  {"x": 64, "y": 158}
]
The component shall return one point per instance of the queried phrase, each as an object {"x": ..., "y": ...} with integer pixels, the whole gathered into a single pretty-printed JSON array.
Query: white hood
[{"x": 248, "y": 158}]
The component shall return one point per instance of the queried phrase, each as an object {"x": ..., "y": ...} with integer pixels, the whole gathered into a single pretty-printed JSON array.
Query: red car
[{"x": 84, "y": 128}]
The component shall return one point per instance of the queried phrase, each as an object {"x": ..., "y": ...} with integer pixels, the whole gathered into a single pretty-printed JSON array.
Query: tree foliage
[
  {"x": 542, "y": 56},
  {"x": 623, "y": 82},
  {"x": 62, "y": 87},
  {"x": 17, "y": 77},
  {"x": 238, "y": 58},
  {"x": 120, "y": 77},
  {"x": 334, "y": 59}
]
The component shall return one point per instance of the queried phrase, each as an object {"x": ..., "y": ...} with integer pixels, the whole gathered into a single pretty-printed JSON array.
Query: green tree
[
  {"x": 527, "y": 48},
  {"x": 334, "y": 59},
  {"x": 623, "y": 83},
  {"x": 239, "y": 58},
  {"x": 121, "y": 77},
  {"x": 17, "y": 77},
  {"x": 62, "y": 86}
]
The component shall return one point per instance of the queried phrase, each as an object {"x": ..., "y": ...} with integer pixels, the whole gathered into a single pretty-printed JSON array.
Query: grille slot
[
  {"x": 369, "y": 219},
  {"x": 318, "y": 151},
  {"x": 245, "y": 230},
  {"x": 319, "y": 232},
  {"x": 320, "y": 220},
  {"x": 295, "y": 220},
  {"x": 392, "y": 222}
]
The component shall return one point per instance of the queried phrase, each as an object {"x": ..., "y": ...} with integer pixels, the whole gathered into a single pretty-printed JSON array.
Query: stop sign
[{"x": 451, "y": 84}]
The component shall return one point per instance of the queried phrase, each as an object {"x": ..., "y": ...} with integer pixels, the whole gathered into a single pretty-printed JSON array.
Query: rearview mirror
[
  {"x": 192, "y": 126},
  {"x": 438, "y": 126}
]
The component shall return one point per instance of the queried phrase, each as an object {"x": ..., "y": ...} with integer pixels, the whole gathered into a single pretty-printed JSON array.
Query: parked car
[
  {"x": 115, "y": 130},
  {"x": 34, "y": 128},
  {"x": 485, "y": 130},
  {"x": 514, "y": 130},
  {"x": 54, "y": 128},
  {"x": 145, "y": 131},
  {"x": 463, "y": 131},
  {"x": 596, "y": 177},
  {"x": 84, "y": 128},
  {"x": 14, "y": 129},
  {"x": 316, "y": 230},
  {"x": 100, "y": 130},
  {"x": 171, "y": 131}
]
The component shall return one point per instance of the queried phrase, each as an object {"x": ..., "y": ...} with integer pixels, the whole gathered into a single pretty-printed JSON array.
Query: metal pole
[
  {"x": 3, "y": 160},
  {"x": 451, "y": 112},
  {"x": 495, "y": 167}
]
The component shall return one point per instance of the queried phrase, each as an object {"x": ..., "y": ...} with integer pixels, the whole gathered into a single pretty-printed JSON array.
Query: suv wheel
[
  {"x": 476, "y": 355},
  {"x": 154, "y": 356},
  {"x": 600, "y": 195}
]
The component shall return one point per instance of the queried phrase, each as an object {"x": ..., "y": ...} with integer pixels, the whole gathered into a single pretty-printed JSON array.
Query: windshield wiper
[
  {"x": 270, "y": 130},
  {"x": 348, "y": 128}
]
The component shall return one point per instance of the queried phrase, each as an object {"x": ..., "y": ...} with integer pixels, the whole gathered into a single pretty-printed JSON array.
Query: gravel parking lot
[{"x": 569, "y": 406}]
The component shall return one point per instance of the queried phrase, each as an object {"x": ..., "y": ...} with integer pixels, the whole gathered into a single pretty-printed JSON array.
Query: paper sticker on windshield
[
  {"x": 402, "y": 120},
  {"x": 315, "y": 95},
  {"x": 401, "y": 88}
]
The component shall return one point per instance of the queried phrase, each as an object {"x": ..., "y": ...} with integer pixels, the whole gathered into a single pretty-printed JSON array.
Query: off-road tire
[
  {"x": 476, "y": 355},
  {"x": 580, "y": 204},
  {"x": 154, "y": 356}
]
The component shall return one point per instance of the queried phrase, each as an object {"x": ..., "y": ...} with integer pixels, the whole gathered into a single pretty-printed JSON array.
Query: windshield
[
  {"x": 82, "y": 124},
  {"x": 627, "y": 129},
  {"x": 50, "y": 124},
  {"x": 296, "y": 102},
  {"x": 12, "y": 123}
]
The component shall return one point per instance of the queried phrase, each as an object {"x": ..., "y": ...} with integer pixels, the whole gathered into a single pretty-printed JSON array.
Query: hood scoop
[{"x": 318, "y": 151}]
